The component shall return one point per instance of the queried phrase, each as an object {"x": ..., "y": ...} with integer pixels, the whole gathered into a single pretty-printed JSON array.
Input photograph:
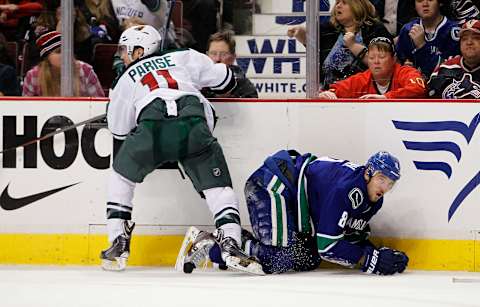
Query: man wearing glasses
[{"x": 221, "y": 49}]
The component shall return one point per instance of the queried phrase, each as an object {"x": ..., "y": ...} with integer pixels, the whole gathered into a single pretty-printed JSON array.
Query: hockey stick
[
  {"x": 53, "y": 133},
  {"x": 167, "y": 25}
]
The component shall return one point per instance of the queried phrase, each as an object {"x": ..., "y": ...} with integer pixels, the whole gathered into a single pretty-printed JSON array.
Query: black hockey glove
[{"x": 384, "y": 261}]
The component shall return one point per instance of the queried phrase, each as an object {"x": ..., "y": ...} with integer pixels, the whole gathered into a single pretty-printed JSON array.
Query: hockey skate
[
  {"x": 235, "y": 258},
  {"x": 115, "y": 257},
  {"x": 194, "y": 251}
]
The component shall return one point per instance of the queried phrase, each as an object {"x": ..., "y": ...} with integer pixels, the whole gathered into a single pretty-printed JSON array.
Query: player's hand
[
  {"x": 372, "y": 96},
  {"x": 299, "y": 33},
  {"x": 349, "y": 39},
  {"x": 327, "y": 95},
  {"x": 417, "y": 34},
  {"x": 384, "y": 261}
]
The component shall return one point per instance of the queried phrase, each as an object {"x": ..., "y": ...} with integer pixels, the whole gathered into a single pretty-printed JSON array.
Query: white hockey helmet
[{"x": 144, "y": 36}]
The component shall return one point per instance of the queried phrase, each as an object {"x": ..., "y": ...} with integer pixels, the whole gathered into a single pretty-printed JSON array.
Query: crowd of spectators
[
  {"x": 434, "y": 53},
  {"x": 369, "y": 48}
]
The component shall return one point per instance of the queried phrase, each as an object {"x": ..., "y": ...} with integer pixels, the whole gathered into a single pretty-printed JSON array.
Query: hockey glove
[{"x": 384, "y": 261}]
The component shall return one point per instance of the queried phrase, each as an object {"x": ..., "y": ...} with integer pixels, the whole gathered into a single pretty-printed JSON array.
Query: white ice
[{"x": 32, "y": 286}]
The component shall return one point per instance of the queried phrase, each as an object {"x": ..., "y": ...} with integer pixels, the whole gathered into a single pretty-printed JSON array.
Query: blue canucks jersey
[
  {"x": 338, "y": 206},
  {"x": 322, "y": 198},
  {"x": 439, "y": 45}
]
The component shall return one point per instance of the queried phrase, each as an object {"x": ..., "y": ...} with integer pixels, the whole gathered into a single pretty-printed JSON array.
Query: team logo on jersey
[
  {"x": 216, "y": 172},
  {"x": 455, "y": 33},
  {"x": 465, "y": 130},
  {"x": 465, "y": 88},
  {"x": 356, "y": 197}
]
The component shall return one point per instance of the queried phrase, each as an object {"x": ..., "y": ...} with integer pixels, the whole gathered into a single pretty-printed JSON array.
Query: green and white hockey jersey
[{"x": 167, "y": 76}]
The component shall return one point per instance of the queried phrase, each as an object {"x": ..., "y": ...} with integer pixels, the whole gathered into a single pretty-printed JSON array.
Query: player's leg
[
  {"x": 274, "y": 241},
  {"x": 134, "y": 160},
  {"x": 119, "y": 225},
  {"x": 206, "y": 166}
]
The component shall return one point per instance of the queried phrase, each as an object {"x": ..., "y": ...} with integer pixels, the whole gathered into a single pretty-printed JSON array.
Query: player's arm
[
  {"x": 218, "y": 77},
  {"x": 334, "y": 247},
  {"x": 120, "y": 112},
  {"x": 412, "y": 84}
]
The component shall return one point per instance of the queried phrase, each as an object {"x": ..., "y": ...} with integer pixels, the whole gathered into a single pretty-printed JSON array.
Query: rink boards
[{"x": 432, "y": 212}]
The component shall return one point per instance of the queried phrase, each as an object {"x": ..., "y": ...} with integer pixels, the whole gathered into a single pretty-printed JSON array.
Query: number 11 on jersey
[{"x": 151, "y": 81}]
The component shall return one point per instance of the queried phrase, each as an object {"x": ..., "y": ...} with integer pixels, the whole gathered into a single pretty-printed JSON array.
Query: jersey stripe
[
  {"x": 278, "y": 212},
  {"x": 326, "y": 242},
  {"x": 302, "y": 198}
]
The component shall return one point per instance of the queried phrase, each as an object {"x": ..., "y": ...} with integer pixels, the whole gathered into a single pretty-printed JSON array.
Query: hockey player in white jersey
[{"x": 157, "y": 109}]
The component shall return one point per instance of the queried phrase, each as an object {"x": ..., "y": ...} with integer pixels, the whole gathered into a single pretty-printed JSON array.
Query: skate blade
[
  {"x": 188, "y": 240},
  {"x": 119, "y": 264},
  {"x": 238, "y": 264}
]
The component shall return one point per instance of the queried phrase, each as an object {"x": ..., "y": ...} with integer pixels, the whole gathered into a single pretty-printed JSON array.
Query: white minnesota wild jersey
[{"x": 167, "y": 76}]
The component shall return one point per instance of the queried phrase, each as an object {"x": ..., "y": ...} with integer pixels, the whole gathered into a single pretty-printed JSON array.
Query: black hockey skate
[
  {"x": 235, "y": 258},
  {"x": 194, "y": 251},
  {"x": 115, "y": 257}
]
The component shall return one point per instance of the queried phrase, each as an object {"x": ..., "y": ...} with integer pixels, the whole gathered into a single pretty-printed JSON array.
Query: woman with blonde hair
[
  {"x": 44, "y": 78},
  {"x": 352, "y": 25}
]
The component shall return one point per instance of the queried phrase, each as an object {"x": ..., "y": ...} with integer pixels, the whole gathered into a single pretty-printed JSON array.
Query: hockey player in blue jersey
[
  {"x": 304, "y": 209},
  {"x": 428, "y": 40}
]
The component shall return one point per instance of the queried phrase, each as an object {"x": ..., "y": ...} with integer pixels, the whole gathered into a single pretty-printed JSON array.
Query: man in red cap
[{"x": 459, "y": 77}]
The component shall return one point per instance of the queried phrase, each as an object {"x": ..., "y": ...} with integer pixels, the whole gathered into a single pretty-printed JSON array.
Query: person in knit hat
[{"x": 44, "y": 78}]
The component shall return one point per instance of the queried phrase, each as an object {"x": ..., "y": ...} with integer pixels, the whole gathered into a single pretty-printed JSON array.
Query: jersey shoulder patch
[
  {"x": 356, "y": 197},
  {"x": 455, "y": 33}
]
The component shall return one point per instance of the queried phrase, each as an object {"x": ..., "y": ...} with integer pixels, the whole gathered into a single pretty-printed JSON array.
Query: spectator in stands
[
  {"x": 429, "y": 39},
  {"x": 15, "y": 15},
  {"x": 462, "y": 10},
  {"x": 100, "y": 16},
  {"x": 83, "y": 38},
  {"x": 9, "y": 85},
  {"x": 385, "y": 78},
  {"x": 221, "y": 49},
  {"x": 459, "y": 77},
  {"x": 394, "y": 14},
  {"x": 343, "y": 39},
  {"x": 152, "y": 12},
  {"x": 200, "y": 19},
  {"x": 44, "y": 79}
]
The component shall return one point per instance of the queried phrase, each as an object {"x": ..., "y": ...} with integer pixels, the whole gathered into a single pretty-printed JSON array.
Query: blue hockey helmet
[{"x": 385, "y": 163}]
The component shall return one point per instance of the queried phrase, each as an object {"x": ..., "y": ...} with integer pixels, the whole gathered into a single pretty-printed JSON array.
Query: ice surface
[{"x": 43, "y": 286}]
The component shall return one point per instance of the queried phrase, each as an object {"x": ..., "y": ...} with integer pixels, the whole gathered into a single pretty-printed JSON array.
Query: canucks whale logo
[{"x": 467, "y": 131}]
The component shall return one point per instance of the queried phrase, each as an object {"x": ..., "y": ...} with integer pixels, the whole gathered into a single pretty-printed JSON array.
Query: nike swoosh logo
[{"x": 9, "y": 203}]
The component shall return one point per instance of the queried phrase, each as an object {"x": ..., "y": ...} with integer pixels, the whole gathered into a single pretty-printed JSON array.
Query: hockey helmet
[
  {"x": 144, "y": 36},
  {"x": 384, "y": 163}
]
